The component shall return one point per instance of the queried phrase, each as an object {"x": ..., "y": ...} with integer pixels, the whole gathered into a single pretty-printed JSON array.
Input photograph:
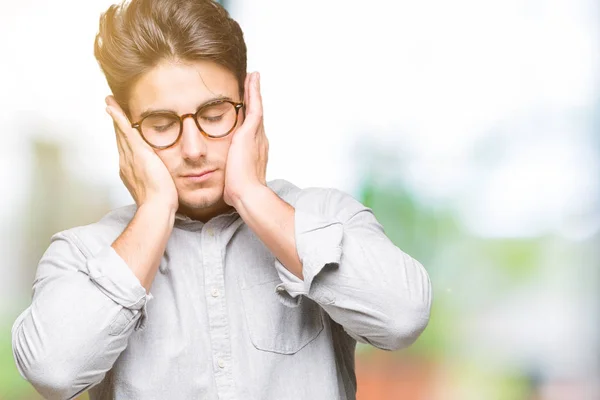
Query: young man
[{"x": 215, "y": 284}]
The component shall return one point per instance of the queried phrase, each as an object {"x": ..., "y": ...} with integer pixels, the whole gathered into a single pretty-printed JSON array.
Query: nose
[{"x": 193, "y": 142}]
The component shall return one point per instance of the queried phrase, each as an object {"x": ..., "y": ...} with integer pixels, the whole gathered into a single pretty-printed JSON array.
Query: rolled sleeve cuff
[
  {"x": 116, "y": 280},
  {"x": 319, "y": 244}
]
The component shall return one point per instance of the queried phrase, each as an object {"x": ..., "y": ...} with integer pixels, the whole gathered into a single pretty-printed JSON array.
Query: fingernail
[
  {"x": 257, "y": 79},
  {"x": 109, "y": 111},
  {"x": 106, "y": 99}
]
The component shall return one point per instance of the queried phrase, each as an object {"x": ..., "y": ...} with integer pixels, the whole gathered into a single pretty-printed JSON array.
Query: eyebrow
[{"x": 164, "y": 110}]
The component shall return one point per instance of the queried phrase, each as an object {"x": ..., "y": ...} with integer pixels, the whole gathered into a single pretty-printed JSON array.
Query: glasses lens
[
  {"x": 217, "y": 119},
  {"x": 160, "y": 129}
]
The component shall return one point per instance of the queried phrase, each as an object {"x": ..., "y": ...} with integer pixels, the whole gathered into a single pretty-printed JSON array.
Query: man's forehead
[{"x": 181, "y": 86}]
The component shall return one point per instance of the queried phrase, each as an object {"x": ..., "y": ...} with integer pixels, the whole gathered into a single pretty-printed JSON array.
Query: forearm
[
  {"x": 272, "y": 220},
  {"x": 389, "y": 311},
  {"x": 142, "y": 244},
  {"x": 66, "y": 343},
  {"x": 80, "y": 319},
  {"x": 363, "y": 281}
]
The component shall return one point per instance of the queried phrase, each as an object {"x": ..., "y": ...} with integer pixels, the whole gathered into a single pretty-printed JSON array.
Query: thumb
[{"x": 119, "y": 118}]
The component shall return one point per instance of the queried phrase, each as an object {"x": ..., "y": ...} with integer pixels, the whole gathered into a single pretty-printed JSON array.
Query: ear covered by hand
[{"x": 249, "y": 151}]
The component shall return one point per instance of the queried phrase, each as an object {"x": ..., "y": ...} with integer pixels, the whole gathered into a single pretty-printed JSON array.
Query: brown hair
[{"x": 136, "y": 35}]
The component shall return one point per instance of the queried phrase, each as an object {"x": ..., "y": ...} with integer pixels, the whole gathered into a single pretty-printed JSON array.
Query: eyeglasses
[{"x": 163, "y": 129}]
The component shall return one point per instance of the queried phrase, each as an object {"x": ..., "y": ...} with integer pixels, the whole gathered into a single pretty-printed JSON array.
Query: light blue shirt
[{"x": 224, "y": 319}]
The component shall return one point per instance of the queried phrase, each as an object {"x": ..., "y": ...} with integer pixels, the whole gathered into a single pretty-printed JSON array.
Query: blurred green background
[{"x": 470, "y": 128}]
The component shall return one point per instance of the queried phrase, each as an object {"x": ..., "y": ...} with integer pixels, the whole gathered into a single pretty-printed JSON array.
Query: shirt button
[
  {"x": 214, "y": 292},
  {"x": 221, "y": 363}
]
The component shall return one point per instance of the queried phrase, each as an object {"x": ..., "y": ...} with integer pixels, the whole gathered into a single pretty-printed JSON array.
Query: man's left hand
[{"x": 249, "y": 151}]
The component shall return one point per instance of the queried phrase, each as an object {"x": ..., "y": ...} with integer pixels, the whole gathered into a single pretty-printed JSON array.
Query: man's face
[{"x": 183, "y": 87}]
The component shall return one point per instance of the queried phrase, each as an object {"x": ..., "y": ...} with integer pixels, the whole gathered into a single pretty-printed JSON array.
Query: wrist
[
  {"x": 249, "y": 196},
  {"x": 156, "y": 208}
]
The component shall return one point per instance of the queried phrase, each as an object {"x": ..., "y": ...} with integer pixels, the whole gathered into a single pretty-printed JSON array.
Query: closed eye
[
  {"x": 216, "y": 118},
  {"x": 163, "y": 128}
]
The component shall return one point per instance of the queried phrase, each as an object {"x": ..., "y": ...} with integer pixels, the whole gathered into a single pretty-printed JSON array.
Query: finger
[
  {"x": 122, "y": 124},
  {"x": 113, "y": 108},
  {"x": 254, "y": 110},
  {"x": 123, "y": 144},
  {"x": 124, "y": 150},
  {"x": 117, "y": 113},
  {"x": 120, "y": 145},
  {"x": 124, "y": 147},
  {"x": 246, "y": 89}
]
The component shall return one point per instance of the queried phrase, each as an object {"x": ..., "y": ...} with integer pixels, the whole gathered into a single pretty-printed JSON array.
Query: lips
[
  {"x": 199, "y": 174},
  {"x": 198, "y": 177}
]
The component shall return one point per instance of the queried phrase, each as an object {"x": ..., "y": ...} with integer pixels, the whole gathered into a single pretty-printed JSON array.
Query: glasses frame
[{"x": 181, "y": 118}]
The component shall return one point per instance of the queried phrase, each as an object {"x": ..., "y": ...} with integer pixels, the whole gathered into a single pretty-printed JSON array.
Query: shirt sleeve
[
  {"x": 378, "y": 293},
  {"x": 83, "y": 310}
]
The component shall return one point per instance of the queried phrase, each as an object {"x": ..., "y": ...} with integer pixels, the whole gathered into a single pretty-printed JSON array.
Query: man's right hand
[
  {"x": 141, "y": 170},
  {"x": 142, "y": 244}
]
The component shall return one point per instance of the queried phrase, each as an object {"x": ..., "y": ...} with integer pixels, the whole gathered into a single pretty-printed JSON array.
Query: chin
[{"x": 201, "y": 198}]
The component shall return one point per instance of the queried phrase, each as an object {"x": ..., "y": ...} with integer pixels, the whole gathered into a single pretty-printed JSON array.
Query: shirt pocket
[{"x": 277, "y": 328}]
